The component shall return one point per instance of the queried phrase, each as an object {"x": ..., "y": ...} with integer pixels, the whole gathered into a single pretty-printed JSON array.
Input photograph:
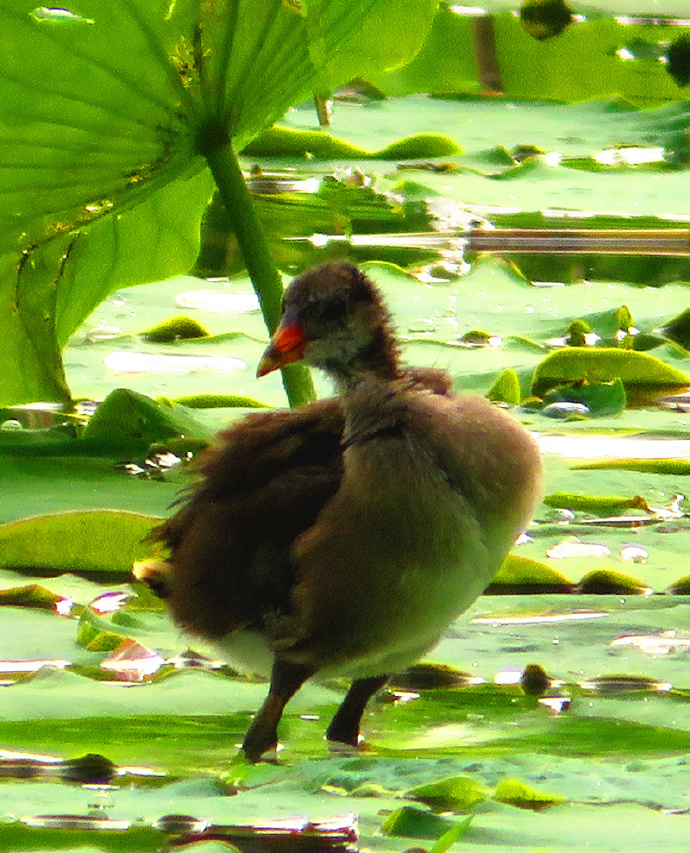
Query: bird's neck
[
  {"x": 374, "y": 408},
  {"x": 379, "y": 360}
]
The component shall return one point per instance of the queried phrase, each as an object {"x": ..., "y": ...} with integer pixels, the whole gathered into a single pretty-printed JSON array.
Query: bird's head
[{"x": 334, "y": 318}]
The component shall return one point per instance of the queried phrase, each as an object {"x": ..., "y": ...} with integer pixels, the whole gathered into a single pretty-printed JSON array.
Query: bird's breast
[{"x": 394, "y": 557}]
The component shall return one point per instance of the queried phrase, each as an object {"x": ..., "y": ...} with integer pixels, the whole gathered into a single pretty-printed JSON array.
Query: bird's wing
[{"x": 262, "y": 486}]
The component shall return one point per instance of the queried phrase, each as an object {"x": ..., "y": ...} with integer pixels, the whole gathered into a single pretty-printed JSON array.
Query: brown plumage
[{"x": 344, "y": 537}]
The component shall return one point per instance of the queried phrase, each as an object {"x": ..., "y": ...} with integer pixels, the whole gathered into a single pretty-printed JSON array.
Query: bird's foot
[
  {"x": 262, "y": 735},
  {"x": 344, "y": 727}
]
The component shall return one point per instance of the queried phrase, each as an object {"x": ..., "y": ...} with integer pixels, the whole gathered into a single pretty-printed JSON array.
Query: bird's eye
[{"x": 333, "y": 310}]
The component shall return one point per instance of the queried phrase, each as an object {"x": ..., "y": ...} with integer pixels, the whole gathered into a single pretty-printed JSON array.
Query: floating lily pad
[
  {"x": 506, "y": 389},
  {"x": 87, "y": 541},
  {"x": 516, "y": 793},
  {"x": 31, "y": 595},
  {"x": 280, "y": 141},
  {"x": 648, "y": 466},
  {"x": 219, "y": 401},
  {"x": 129, "y": 423},
  {"x": 520, "y": 575},
  {"x": 409, "y": 822},
  {"x": 600, "y": 399},
  {"x": 595, "y": 503},
  {"x": 644, "y": 376},
  {"x": 609, "y": 582},
  {"x": 680, "y": 587},
  {"x": 175, "y": 329},
  {"x": 456, "y": 793}
]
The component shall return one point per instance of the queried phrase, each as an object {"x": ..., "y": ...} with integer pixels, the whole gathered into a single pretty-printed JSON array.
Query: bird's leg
[
  {"x": 286, "y": 680},
  {"x": 344, "y": 726}
]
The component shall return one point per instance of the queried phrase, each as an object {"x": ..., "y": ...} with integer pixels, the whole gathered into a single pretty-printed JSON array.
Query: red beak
[{"x": 287, "y": 345}]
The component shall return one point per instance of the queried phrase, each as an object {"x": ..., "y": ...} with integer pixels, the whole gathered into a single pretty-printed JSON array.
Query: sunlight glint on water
[{"x": 593, "y": 447}]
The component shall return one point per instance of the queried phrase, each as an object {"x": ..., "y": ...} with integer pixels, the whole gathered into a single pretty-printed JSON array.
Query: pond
[{"x": 595, "y": 757}]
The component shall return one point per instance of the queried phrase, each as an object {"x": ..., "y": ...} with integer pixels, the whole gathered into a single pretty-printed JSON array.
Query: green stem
[{"x": 265, "y": 277}]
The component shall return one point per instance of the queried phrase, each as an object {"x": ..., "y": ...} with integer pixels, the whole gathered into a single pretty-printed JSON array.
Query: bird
[{"x": 342, "y": 538}]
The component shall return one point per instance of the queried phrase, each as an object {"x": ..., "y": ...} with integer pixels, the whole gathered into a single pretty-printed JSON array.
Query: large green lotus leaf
[
  {"x": 605, "y": 8},
  {"x": 95, "y": 540},
  {"x": 103, "y": 176},
  {"x": 155, "y": 240},
  {"x": 644, "y": 376},
  {"x": 28, "y": 296},
  {"x": 41, "y": 486},
  {"x": 446, "y": 63},
  {"x": 65, "y": 695}
]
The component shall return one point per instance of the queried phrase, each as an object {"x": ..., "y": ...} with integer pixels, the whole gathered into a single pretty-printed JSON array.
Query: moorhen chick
[{"x": 344, "y": 537}]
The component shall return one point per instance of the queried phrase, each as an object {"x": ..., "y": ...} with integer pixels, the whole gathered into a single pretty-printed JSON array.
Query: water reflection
[
  {"x": 667, "y": 642},
  {"x": 131, "y": 361},
  {"x": 540, "y": 618},
  {"x": 218, "y": 301}
]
